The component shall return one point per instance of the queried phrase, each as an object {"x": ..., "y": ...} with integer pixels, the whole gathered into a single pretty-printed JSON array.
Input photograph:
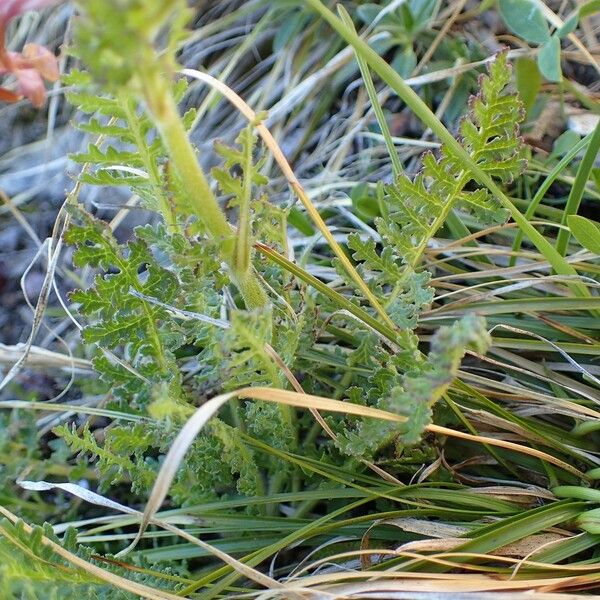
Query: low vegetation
[{"x": 318, "y": 316}]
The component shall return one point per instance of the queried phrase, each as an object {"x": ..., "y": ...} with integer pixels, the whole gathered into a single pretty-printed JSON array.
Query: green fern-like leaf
[
  {"x": 241, "y": 180},
  {"x": 241, "y": 460},
  {"x": 414, "y": 394},
  {"x": 119, "y": 320},
  {"x": 219, "y": 462},
  {"x": 133, "y": 157},
  {"x": 31, "y": 569},
  {"x": 115, "y": 461},
  {"x": 386, "y": 265},
  {"x": 242, "y": 158},
  {"x": 242, "y": 354},
  {"x": 490, "y": 134}
]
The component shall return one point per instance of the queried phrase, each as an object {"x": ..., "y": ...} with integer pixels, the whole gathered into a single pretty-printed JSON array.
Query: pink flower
[{"x": 30, "y": 67}]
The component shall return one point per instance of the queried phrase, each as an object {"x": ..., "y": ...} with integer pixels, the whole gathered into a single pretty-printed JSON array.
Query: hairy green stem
[{"x": 162, "y": 107}]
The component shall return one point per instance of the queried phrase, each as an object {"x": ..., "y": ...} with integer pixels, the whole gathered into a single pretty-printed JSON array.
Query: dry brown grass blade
[
  {"x": 522, "y": 548},
  {"x": 449, "y": 22},
  {"x": 389, "y": 582},
  {"x": 53, "y": 256},
  {"x": 55, "y": 247},
  {"x": 409, "y": 551},
  {"x": 40, "y": 357},
  {"x": 508, "y": 446},
  {"x": 16, "y": 213}
]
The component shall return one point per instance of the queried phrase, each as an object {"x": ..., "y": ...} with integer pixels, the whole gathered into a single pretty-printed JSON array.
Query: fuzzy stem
[
  {"x": 249, "y": 286},
  {"x": 163, "y": 109}
]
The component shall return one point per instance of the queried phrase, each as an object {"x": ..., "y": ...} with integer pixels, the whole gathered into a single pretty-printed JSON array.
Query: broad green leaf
[
  {"x": 300, "y": 221},
  {"x": 525, "y": 19},
  {"x": 364, "y": 202},
  {"x": 405, "y": 61},
  {"x": 367, "y": 13},
  {"x": 589, "y": 8},
  {"x": 586, "y": 232},
  {"x": 529, "y": 81},
  {"x": 549, "y": 59},
  {"x": 287, "y": 31},
  {"x": 565, "y": 142},
  {"x": 590, "y": 521},
  {"x": 568, "y": 26},
  {"x": 578, "y": 189}
]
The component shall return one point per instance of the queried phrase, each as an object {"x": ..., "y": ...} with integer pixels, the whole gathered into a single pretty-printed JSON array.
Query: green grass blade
[
  {"x": 524, "y": 305},
  {"x": 372, "y": 92},
  {"x": 541, "y": 192},
  {"x": 515, "y": 528},
  {"x": 574, "y": 200}
]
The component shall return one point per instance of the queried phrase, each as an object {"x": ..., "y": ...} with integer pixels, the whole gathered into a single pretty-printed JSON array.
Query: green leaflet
[
  {"x": 218, "y": 463},
  {"x": 20, "y": 576},
  {"x": 244, "y": 158},
  {"x": 414, "y": 393},
  {"x": 404, "y": 291},
  {"x": 490, "y": 134},
  {"x": 120, "y": 458},
  {"x": 30, "y": 569},
  {"x": 241, "y": 180},
  {"x": 239, "y": 457},
  {"x": 386, "y": 265},
  {"x": 242, "y": 359},
  {"x": 117, "y": 318},
  {"x": 242, "y": 350},
  {"x": 134, "y": 157}
]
